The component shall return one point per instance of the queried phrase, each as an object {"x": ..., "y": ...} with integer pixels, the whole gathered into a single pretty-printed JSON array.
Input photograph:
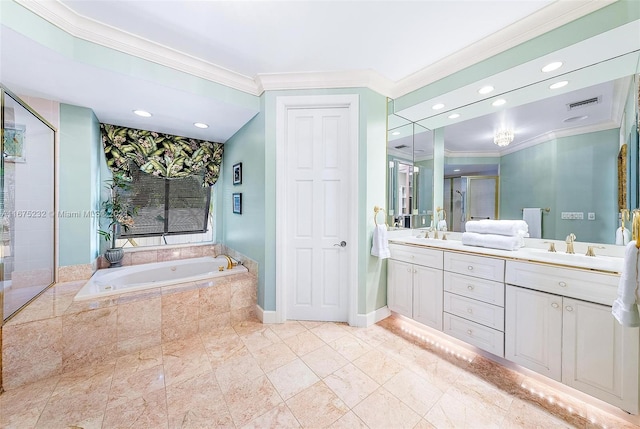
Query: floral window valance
[{"x": 161, "y": 155}]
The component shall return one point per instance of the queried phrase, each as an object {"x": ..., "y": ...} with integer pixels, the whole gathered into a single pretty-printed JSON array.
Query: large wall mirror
[
  {"x": 559, "y": 138},
  {"x": 409, "y": 173}
]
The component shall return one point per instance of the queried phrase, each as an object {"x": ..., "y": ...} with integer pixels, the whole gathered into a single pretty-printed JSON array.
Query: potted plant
[{"x": 119, "y": 214}]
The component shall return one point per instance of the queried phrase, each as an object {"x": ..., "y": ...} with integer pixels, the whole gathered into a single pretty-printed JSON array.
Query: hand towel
[
  {"x": 498, "y": 227},
  {"x": 493, "y": 241},
  {"x": 380, "y": 245},
  {"x": 625, "y": 308},
  {"x": 533, "y": 217}
]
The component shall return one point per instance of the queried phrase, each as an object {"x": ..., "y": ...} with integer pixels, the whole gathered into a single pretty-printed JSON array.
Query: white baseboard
[
  {"x": 364, "y": 320},
  {"x": 266, "y": 316}
]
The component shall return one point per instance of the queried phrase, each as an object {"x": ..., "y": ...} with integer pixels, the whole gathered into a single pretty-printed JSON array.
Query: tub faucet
[{"x": 229, "y": 262}]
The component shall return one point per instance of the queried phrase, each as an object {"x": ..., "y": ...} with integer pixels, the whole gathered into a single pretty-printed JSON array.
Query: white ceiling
[{"x": 395, "y": 40}]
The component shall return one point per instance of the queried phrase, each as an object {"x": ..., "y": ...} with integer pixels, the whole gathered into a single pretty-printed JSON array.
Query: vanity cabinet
[
  {"x": 414, "y": 284},
  {"x": 474, "y": 300},
  {"x": 571, "y": 340}
]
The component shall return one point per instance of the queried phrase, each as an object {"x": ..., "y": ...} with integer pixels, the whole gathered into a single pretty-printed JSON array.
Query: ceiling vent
[
  {"x": 583, "y": 103},
  {"x": 401, "y": 146}
]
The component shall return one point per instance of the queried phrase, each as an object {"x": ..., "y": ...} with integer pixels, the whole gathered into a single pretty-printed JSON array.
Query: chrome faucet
[{"x": 570, "y": 239}]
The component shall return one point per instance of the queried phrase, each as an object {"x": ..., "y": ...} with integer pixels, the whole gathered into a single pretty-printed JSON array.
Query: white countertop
[{"x": 608, "y": 264}]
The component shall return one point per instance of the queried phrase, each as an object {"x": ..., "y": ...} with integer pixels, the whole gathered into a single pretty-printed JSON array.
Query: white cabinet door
[
  {"x": 533, "y": 330},
  {"x": 599, "y": 354},
  {"x": 427, "y": 296},
  {"x": 400, "y": 287}
]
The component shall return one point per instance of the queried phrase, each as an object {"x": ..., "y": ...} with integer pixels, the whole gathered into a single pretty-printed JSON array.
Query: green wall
[
  {"x": 539, "y": 176},
  {"x": 79, "y": 184},
  {"x": 245, "y": 232}
]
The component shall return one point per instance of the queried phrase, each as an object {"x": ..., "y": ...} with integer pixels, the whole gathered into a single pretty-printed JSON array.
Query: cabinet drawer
[
  {"x": 476, "y": 266},
  {"x": 585, "y": 285},
  {"x": 475, "y": 311},
  {"x": 417, "y": 255},
  {"x": 473, "y": 333},
  {"x": 473, "y": 287}
]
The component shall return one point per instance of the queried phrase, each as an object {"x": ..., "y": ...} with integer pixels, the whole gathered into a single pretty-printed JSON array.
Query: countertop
[{"x": 607, "y": 264}]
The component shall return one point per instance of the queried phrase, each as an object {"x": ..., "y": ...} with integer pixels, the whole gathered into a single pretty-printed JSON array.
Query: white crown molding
[
  {"x": 94, "y": 31},
  {"x": 546, "y": 19},
  {"x": 325, "y": 80},
  {"x": 550, "y": 17},
  {"x": 463, "y": 154}
]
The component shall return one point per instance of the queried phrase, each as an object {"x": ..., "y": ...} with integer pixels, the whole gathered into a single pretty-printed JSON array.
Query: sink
[{"x": 606, "y": 263}]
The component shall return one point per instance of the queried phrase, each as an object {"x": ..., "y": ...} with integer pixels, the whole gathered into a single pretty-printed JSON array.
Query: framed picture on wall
[
  {"x": 237, "y": 173},
  {"x": 14, "y": 143},
  {"x": 237, "y": 203}
]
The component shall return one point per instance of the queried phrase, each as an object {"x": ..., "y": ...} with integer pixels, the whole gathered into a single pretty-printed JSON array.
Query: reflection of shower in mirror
[{"x": 462, "y": 200}]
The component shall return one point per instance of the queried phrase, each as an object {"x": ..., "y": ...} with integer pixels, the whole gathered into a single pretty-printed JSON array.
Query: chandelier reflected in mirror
[{"x": 503, "y": 137}]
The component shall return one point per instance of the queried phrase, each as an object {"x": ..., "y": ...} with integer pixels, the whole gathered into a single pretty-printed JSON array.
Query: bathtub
[{"x": 114, "y": 281}]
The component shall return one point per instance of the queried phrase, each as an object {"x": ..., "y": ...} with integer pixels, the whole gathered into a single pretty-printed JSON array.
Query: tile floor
[{"x": 298, "y": 374}]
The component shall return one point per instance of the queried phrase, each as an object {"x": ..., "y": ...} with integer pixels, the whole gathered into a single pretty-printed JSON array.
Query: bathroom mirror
[
  {"x": 563, "y": 156},
  {"x": 409, "y": 173}
]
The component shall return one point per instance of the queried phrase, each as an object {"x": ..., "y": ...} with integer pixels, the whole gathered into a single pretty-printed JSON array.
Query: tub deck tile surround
[
  {"x": 55, "y": 335},
  {"x": 236, "y": 376}
]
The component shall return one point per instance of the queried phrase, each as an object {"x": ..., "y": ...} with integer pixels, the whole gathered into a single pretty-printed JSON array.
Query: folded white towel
[
  {"x": 498, "y": 227},
  {"x": 442, "y": 225},
  {"x": 493, "y": 241},
  {"x": 380, "y": 245},
  {"x": 625, "y": 308}
]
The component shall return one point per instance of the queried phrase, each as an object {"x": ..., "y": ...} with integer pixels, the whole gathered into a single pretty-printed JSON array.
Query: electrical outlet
[{"x": 591, "y": 216}]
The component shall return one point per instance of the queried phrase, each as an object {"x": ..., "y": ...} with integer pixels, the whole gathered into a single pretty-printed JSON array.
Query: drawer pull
[
  {"x": 555, "y": 305},
  {"x": 469, "y": 331},
  {"x": 470, "y": 268},
  {"x": 408, "y": 270},
  {"x": 415, "y": 271},
  {"x": 562, "y": 284},
  {"x": 569, "y": 308},
  {"x": 469, "y": 310},
  {"x": 470, "y": 287}
]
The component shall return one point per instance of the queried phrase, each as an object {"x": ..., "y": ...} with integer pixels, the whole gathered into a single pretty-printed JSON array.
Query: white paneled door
[{"x": 317, "y": 244}]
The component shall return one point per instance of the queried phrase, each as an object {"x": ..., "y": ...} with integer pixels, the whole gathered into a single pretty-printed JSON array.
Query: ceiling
[{"x": 393, "y": 41}]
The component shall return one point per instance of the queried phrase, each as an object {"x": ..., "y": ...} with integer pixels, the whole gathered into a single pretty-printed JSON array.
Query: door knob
[{"x": 341, "y": 244}]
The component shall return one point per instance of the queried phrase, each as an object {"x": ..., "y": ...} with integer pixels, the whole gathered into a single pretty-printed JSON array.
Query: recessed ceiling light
[
  {"x": 551, "y": 67},
  {"x": 575, "y": 119},
  {"x": 456, "y": 170},
  {"x": 142, "y": 113},
  {"x": 485, "y": 89},
  {"x": 200, "y": 125},
  {"x": 454, "y": 116},
  {"x": 395, "y": 133},
  {"x": 559, "y": 84},
  {"x": 499, "y": 102},
  {"x": 437, "y": 106}
]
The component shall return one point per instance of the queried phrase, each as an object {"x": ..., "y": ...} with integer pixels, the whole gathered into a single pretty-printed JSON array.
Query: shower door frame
[{"x": 3, "y": 92}]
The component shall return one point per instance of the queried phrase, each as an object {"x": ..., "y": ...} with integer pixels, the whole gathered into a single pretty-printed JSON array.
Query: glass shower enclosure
[{"x": 27, "y": 205}]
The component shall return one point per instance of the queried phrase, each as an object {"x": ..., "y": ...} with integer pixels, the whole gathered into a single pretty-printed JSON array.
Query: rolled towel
[
  {"x": 498, "y": 227},
  {"x": 625, "y": 308},
  {"x": 380, "y": 243},
  {"x": 492, "y": 241}
]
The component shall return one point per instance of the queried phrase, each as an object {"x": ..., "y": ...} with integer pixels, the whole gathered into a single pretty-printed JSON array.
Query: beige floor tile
[
  {"x": 453, "y": 412},
  {"x": 377, "y": 365},
  {"x": 197, "y": 403},
  {"x": 184, "y": 359},
  {"x": 350, "y": 347},
  {"x": 74, "y": 408},
  {"x": 303, "y": 343},
  {"x": 416, "y": 392},
  {"x": 126, "y": 386},
  {"x": 278, "y": 418},
  {"x": 328, "y": 332},
  {"x": 237, "y": 370},
  {"x": 257, "y": 340},
  {"x": 383, "y": 410},
  {"x": 523, "y": 415},
  {"x": 310, "y": 324},
  {"x": 351, "y": 385},
  {"x": 148, "y": 411},
  {"x": 274, "y": 356},
  {"x": 292, "y": 378},
  {"x": 251, "y": 399},
  {"x": 470, "y": 385},
  {"x": 287, "y": 329},
  {"x": 317, "y": 406},
  {"x": 348, "y": 421},
  {"x": 324, "y": 361},
  {"x": 22, "y": 407}
]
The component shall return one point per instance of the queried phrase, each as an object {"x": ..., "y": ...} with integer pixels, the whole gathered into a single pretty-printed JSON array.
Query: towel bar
[
  {"x": 635, "y": 227},
  {"x": 547, "y": 209}
]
